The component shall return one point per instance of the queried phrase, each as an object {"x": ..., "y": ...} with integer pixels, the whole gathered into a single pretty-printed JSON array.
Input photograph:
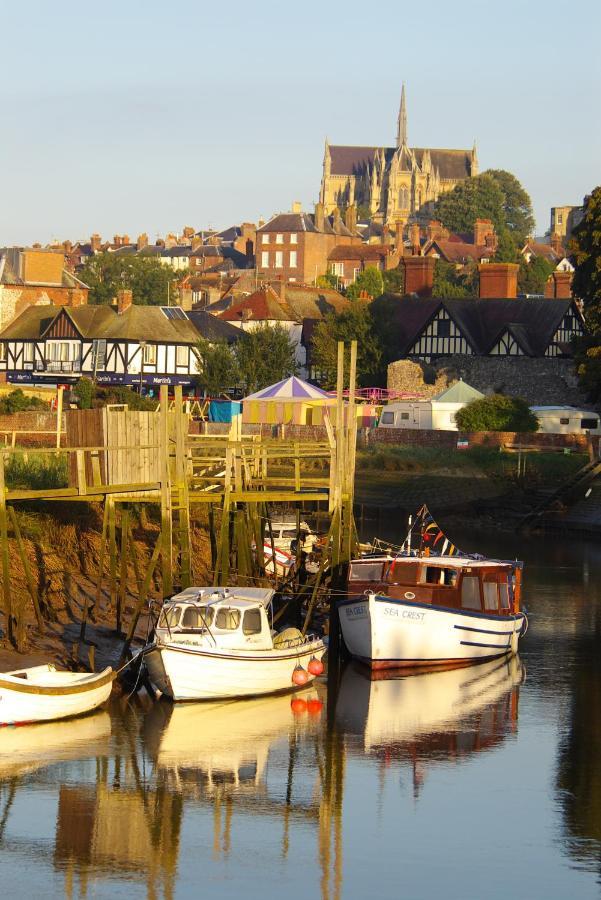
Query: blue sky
[{"x": 149, "y": 116}]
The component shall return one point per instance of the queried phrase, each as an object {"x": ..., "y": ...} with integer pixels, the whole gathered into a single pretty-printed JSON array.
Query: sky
[{"x": 146, "y": 116}]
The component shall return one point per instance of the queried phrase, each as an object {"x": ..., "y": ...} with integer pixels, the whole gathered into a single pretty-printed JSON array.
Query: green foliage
[
  {"x": 475, "y": 198},
  {"x": 394, "y": 280},
  {"x": 507, "y": 249},
  {"x": 497, "y": 413},
  {"x": 328, "y": 281},
  {"x": 85, "y": 391},
  {"x": 517, "y": 205},
  {"x": 369, "y": 280},
  {"x": 587, "y": 353},
  {"x": 151, "y": 282},
  {"x": 533, "y": 275},
  {"x": 41, "y": 470},
  {"x": 448, "y": 282},
  {"x": 219, "y": 370},
  {"x": 363, "y": 212},
  {"x": 265, "y": 356},
  {"x": 354, "y": 324},
  {"x": 17, "y": 401},
  {"x": 117, "y": 395},
  {"x": 585, "y": 254}
]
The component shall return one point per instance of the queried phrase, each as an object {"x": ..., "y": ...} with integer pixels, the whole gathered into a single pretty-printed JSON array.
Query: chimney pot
[{"x": 124, "y": 300}]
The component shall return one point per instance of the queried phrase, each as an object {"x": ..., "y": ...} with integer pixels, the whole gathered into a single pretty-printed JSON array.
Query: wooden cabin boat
[
  {"x": 431, "y": 611},
  {"x": 44, "y": 693},
  {"x": 217, "y": 642}
]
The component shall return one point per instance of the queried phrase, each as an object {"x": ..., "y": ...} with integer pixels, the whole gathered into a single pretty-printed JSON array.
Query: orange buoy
[
  {"x": 298, "y": 706},
  {"x": 315, "y": 666},
  {"x": 300, "y": 676},
  {"x": 314, "y": 706}
]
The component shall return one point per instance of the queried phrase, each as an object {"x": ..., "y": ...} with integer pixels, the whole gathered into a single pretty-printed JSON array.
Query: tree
[
  {"x": 497, "y": 413},
  {"x": 85, "y": 391},
  {"x": 517, "y": 205},
  {"x": 448, "y": 282},
  {"x": 328, "y": 281},
  {"x": 265, "y": 355},
  {"x": 394, "y": 280},
  {"x": 533, "y": 275},
  {"x": 507, "y": 249},
  {"x": 585, "y": 254},
  {"x": 218, "y": 367},
  {"x": 152, "y": 283},
  {"x": 353, "y": 324},
  {"x": 471, "y": 199},
  {"x": 17, "y": 401},
  {"x": 370, "y": 281}
]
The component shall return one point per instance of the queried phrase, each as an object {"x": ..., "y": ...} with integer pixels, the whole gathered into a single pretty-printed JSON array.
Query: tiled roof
[
  {"x": 313, "y": 303},
  {"x": 451, "y": 164},
  {"x": 544, "y": 250},
  {"x": 455, "y": 251},
  {"x": 264, "y": 305},
  {"x": 359, "y": 252},
  {"x": 213, "y": 328},
  {"x": 9, "y": 267},
  {"x": 286, "y": 223}
]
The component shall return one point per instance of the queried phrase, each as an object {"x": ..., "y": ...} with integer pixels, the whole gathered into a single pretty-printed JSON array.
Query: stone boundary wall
[
  {"x": 415, "y": 437},
  {"x": 30, "y": 422}
]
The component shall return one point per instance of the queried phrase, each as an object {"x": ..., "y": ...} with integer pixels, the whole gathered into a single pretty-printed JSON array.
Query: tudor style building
[
  {"x": 428, "y": 329},
  {"x": 126, "y": 345}
]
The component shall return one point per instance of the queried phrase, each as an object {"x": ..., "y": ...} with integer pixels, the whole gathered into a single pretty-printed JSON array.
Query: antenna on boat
[{"x": 410, "y": 524}]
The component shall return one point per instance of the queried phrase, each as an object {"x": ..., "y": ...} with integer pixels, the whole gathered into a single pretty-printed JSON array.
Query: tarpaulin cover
[{"x": 223, "y": 410}]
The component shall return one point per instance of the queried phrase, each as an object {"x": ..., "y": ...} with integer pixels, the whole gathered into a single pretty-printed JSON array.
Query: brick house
[
  {"x": 346, "y": 261},
  {"x": 295, "y": 246},
  {"x": 31, "y": 276}
]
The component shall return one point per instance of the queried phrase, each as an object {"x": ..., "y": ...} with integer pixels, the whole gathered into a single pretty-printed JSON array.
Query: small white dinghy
[
  {"x": 216, "y": 642},
  {"x": 44, "y": 693}
]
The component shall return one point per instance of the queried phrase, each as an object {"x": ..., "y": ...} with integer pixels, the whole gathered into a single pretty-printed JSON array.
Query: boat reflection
[{"x": 438, "y": 716}]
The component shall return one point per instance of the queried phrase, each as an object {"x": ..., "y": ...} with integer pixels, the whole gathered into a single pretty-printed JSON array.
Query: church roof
[{"x": 451, "y": 164}]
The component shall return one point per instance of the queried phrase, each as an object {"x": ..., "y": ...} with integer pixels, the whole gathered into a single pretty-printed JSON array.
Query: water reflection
[{"x": 294, "y": 794}]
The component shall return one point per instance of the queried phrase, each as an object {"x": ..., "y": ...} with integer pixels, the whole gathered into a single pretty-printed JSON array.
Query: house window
[
  {"x": 181, "y": 356},
  {"x": 150, "y": 355},
  {"x": 337, "y": 268},
  {"x": 293, "y": 259},
  {"x": 443, "y": 328},
  {"x": 28, "y": 352},
  {"x": 279, "y": 259},
  {"x": 279, "y": 238},
  {"x": 2, "y": 351},
  {"x": 59, "y": 351},
  {"x": 293, "y": 238},
  {"x": 560, "y": 219},
  {"x": 355, "y": 273},
  {"x": 264, "y": 238},
  {"x": 99, "y": 354},
  {"x": 265, "y": 259}
]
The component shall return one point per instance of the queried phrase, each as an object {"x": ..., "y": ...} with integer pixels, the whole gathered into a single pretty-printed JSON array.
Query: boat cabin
[
  {"x": 233, "y": 618},
  {"x": 481, "y": 585}
]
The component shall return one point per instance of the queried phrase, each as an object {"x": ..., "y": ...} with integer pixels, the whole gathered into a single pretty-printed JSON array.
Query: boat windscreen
[
  {"x": 170, "y": 617},
  {"x": 366, "y": 571},
  {"x": 197, "y": 617}
]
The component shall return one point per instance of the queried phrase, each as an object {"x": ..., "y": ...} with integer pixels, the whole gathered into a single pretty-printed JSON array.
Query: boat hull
[
  {"x": 199, "y": 674},
  {"x": 51, "y": 696},
  {"x": 387, "y": 633}
]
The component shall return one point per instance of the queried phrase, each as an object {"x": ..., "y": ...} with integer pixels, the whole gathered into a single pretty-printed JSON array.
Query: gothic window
[
  {"x": 419, "y": 199},
  {"x": 404, "y": 198}
]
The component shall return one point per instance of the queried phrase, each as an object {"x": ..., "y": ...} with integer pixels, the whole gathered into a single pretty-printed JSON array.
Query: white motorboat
[
  {"x": 431, "y": 610},
  {"x": 43, "y": 693},
  {"x": 217, "y": 642}
]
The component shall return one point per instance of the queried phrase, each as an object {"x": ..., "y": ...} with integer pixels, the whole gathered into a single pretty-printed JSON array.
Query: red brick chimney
[
  {"x": 483, "y": 228},
  {"x": 414, "y": 237},
  {"x": 188, "y": 231},
  {"x": 196, "y": 242},
  {"x": 499, "y": 280},
  {"x": 434, "y": 230},
  {"x": 142, "y": 241},
  {"x": 398, "y": 237},
  {"x": 559, "y": 286},
  {"x": 67, "y": 246},
  {"x": 419, "y": 274},
  {"x": 95, "y": 242},
  {"x": 125, "y": 240},
  {"x": 124, "y": 300}
]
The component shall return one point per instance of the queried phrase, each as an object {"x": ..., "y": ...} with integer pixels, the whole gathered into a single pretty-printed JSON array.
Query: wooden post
[
  {"x": 165, "y": 479},
  {"x": 112, "y": 553},
  {"x": 59, "y": 415},
  {"x": 26, "y": 568},
  {"x": 183, "y": 500},
  {"x": 4, "y": 550},
  {"x": 123, "y": 570},
  {"x": 143, "y": 595}
]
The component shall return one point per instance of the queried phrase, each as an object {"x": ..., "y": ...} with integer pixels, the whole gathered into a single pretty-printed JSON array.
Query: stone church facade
[{"x": 397, "y": 184}]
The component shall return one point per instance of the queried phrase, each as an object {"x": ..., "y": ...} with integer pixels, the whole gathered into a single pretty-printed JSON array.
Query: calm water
[{"x": 473, "y": 784}]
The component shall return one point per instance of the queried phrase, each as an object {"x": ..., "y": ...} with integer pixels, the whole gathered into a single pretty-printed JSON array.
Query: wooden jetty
[{"x": 117, "y": 457}]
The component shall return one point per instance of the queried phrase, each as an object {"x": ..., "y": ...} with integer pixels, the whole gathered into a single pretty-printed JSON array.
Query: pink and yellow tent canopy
[{"x": 289, "y": 402}]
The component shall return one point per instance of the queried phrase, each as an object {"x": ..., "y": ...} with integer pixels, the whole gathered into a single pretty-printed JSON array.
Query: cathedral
[{"x": 397, "y": 184}]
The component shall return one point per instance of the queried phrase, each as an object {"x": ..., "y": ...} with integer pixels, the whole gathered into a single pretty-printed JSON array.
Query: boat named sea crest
[{"x": 216, "y": 642}]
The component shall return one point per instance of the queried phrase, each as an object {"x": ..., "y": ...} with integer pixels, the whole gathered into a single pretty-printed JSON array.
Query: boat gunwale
[
  {"x": 243, "y": 655},
  {"x": 23, "y": 687}
]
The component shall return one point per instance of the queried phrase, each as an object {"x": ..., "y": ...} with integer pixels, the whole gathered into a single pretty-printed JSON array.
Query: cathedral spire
[{"x": 401, "y": 139}]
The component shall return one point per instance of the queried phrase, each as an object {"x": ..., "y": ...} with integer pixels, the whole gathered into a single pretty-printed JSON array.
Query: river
[{"x": 479, "y": 783}]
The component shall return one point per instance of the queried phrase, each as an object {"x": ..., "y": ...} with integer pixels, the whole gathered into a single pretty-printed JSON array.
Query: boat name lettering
[
  {"x": 404, "y": 613},
  {"x": 356, "y": 612}
]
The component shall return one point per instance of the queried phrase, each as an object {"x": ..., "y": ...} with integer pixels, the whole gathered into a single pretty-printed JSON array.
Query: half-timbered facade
[
  {"x": 141, "y": 346},
  {"x": 428, "y": 329}
]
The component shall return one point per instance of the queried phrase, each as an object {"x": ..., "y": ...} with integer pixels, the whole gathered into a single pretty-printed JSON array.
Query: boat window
[
  {"x": 403, "y": 572},
  {"x": 251, "y": 623},
  {"x": 504, "y": 596},
  {"x": 227, "y": 619},
  {"x": 371, "y": 571},
  {"x": 170, "y": 617},
  {"x": 440, "y": 575},
  {"x": 470, "y": 592},
  {"x": 197, "y": 617},
  {"x": 490, "y": 595}
]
